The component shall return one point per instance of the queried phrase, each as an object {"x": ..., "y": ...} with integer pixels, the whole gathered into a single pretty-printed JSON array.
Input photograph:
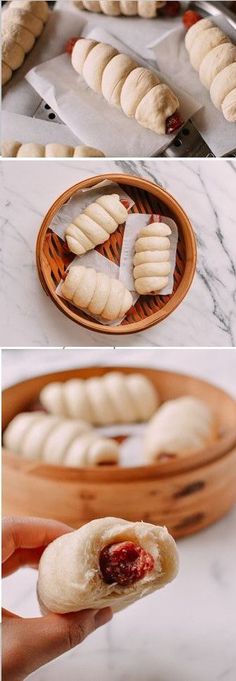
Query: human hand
[{"x": 30, "y": 643}]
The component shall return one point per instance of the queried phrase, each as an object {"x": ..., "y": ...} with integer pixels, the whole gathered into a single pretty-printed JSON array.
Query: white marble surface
[
  {"x": 206, "y": 189},
  {"x": 185, "y": 632}
]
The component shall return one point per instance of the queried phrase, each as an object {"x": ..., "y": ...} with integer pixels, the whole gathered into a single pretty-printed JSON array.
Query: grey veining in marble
[{"x": 206, "y": 190}]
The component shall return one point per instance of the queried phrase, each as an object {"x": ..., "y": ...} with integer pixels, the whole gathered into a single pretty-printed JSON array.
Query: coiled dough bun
[
  {"x": 22, "y": 22},
  {"x": 97, "y": 293},
  {"x": 59, "y": 441},
  {"x": 213, "y": 55},
  {"x": 12, "y": 148},
  {"x": 124, "y": 84},
  {"x": 95, "y": 224},
  {"x": 178, "y": 428},
  {"x": 71, "y": 572},
  {"x": 143, "y": 8},
  {"x": 112, "y": 398},
  {"x": 152, "y": 258}
]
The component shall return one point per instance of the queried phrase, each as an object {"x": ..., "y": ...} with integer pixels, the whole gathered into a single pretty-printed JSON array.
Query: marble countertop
[
  {"x": 184, "y": 632},
  {"x": 206, "y": 191}
]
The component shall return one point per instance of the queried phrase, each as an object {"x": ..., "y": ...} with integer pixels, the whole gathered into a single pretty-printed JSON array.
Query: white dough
[
  {"x": 69, "y": 573},
  {"x": 95, "y": 63},
  {"x": 195, "y": 30},
  {"x": 204, "y": 43},
  {"x": 31, "y": 150},
  {"x": 223, "y": 84},
  {"x": 178, "y": 428},
  {"x": 10, "y": 148},
  {"x": 215, "y": 61},
  {"x": 152, "y": 258},
  {"x": 156, "y": 107},
  {"x": 58, "y": 150},
  {"x": 112, "y": 398},
  {"x": 58, "y": 441},
  {"x": 137, "y": 91},
  {"x": 95, "y": 224},
  {"x": 114, "y": 77},
  {"x": 83, "y": 150},
  {"x": 144, "y": 8},
  {"x": 229, "y": 106},
  {"x": 22, "y": 22},
  {"x": 79, "y": 287},
  {"x": 13, "y": 148},
  {"x": 213, "y": 55}
]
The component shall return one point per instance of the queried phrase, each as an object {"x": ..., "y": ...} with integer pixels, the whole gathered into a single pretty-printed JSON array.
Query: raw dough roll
[
  {"x": 223, "y": 84},
  {"x": 215, "y": 61},
  {"x": 204, "y": 43},
  {"x": 91, "y": 5},
  {"x": 147, "y": 9},
  {"x": 55, "y": 150},
  {"x": 84, "y": 151},
  {"x": 11, "y": 148},
  {"x": 129, "y": 7},
  {"x": 20, "y": 35},
  {"x": 110, "y": 7},
  {"x": 112, "y": 398},
  {"x": 95, "y": 224},
  {"x": 229, "y": 106},
  {"x": 97, "y": 293},
  {"x": 144, "y": 8},
  {"x": 142, "y": 96},
  {"x": 22, "y": 22},
  {"x": 107, "y": 562},
  {"x": 195, "y": 30},
  {"x": 31, "y": 149},
  {"x": 114, "y": 77},
  {"x": 58, "y": 441},
  {"x": 152, "y": 258},
  {"x": 213, "y": 55},
  {"x": 179, "y": 428}
]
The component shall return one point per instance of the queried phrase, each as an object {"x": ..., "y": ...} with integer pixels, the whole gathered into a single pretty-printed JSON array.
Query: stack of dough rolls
[
  {"x": 70, "y": 576},
  {"x": 143, "y": 8},
  {"x": 126, "y": 85},
  {"x": 152, "y": 258},
  {"x": 179, "y": 427},
  {"x": 95, "y": 224},
  {"x": 104, "y": 400},
  {"x": 96, "y": 293},
  {"x": 59, "y": 441},
  {"x": 22, "y": 22},
  {"x": 213, "y": 55},
  {"x": 14, "y": 149}
]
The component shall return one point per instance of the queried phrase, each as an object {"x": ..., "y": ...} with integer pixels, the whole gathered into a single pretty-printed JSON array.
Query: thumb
[{"x": 44, "y": 638}]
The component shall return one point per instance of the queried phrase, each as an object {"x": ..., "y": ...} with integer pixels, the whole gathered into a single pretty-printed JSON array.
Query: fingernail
[{"x": 103, "y": 616}]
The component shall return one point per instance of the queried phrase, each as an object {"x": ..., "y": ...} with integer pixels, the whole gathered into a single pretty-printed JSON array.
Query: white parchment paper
[
  {"x": 25, "y": 129},
  {"x": 88, "y": 114},
  {"x": 215, "y": 130},
  {"x": 134, "y": 224}
]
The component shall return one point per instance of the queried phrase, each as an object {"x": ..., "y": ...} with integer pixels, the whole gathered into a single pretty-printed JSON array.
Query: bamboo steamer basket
[
  {"x": 53, "y": 255},
  {"x": 185, "y": 494}
]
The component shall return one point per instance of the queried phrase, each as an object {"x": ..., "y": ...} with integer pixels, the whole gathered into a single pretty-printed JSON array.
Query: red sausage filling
[
  {"x": 173, "y": 123},
  {"x": 124, "y": 563}
]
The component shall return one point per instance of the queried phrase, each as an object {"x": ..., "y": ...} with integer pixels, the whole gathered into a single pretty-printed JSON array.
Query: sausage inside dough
[{"x": 107, "y": 562}]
